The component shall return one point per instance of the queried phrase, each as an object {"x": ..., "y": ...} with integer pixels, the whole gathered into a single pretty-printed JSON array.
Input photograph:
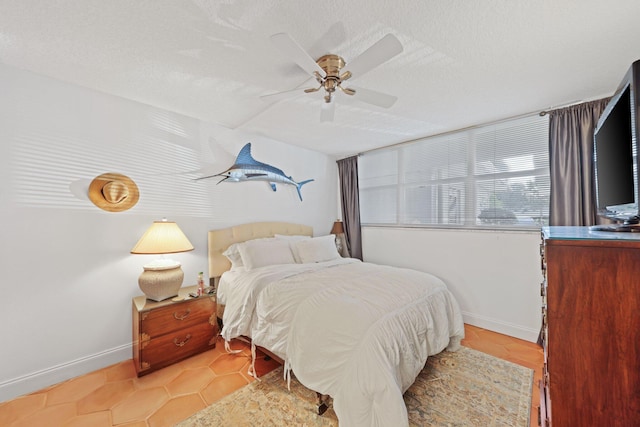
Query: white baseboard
[
  {"x": 35, "y": 381},
  {"x": 495, "y": 325}
]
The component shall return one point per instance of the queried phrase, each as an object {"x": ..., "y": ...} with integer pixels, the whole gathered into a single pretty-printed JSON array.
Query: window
[{"x": 488, "y": 176}]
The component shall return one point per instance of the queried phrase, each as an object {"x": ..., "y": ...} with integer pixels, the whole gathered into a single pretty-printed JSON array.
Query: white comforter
[{"x": 359, "y": 332}]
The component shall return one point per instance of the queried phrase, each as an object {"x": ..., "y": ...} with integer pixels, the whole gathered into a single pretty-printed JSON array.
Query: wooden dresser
[
  {"x": 591, "y": 328},
  {"x": 168, "y": 331}
]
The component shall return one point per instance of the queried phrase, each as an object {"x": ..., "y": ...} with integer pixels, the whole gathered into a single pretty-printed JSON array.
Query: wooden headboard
[{"x": 220, "y": 240}]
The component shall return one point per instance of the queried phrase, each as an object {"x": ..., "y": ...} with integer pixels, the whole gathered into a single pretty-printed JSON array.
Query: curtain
[
  {"x": 350, "y": 204},
  {"x": 572, "y": 199}
]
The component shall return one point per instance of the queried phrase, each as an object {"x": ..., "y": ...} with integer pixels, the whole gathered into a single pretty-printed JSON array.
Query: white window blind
[{"x": 488, "y": 176}]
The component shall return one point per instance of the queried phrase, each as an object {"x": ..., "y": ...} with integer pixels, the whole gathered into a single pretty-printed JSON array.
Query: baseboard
[
  {"x": 38, "y": 380},
  {"x": 495, "y": 325},
  {"x": 35, "y": 381}
]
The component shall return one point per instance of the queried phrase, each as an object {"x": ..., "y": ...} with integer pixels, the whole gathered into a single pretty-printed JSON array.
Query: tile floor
[{"x": 114, "y": 396}]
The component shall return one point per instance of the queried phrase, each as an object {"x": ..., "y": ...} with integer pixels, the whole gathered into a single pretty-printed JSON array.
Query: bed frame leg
[{"x": 322, "y": 403}]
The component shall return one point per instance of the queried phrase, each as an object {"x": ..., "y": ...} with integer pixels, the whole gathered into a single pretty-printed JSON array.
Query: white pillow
[
  {"x": 260, "y": 253},
  {"x": 292, "y": 244},
  {"x": 233, "y": 254},
  {"x": 318, "y": 249}
]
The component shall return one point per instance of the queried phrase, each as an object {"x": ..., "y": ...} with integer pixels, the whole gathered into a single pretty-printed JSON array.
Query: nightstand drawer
[
  {"x": 159, "y": 352},
  {"x": 176, "y": 316},
  {"x": 165, "y": 332}
]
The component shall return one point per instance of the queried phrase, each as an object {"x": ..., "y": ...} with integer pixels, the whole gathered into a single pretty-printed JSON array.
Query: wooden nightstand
[{"x": 168, "y": 331}]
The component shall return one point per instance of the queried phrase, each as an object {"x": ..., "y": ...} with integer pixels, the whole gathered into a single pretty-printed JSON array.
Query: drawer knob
[
  {"x": 182, "y": 315},
  {"x": 183, "y": 342}
]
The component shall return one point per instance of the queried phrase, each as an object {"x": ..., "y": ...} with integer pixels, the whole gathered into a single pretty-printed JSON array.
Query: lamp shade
[
  {"x": 163, "y": 237},
  {"x": 337, "y": 228}
]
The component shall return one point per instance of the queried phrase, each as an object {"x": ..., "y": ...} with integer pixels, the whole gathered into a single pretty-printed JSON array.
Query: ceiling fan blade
[
  {"x": 327, "y": 111},
  {"x": 299, "y": 90},
  {"x": 380, "y": 52},
  {"x": 296, "y": 53},
  {"x": 277, "y": 96},
  {"x": 374, "y": 97}
]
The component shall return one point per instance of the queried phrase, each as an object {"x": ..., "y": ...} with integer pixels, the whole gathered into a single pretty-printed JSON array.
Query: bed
[{"x": 356, "y": 331}]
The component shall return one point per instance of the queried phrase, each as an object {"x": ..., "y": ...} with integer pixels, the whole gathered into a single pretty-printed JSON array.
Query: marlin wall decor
[{"x": 246, "y": 168}]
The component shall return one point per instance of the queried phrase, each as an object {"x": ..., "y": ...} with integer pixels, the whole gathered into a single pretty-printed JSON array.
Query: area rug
[{"x": 463, "y": 388}]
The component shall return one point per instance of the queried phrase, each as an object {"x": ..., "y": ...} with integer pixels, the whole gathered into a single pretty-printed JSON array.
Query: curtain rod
[
  {"x": 557, "y": 107},
  {"x": 445, "y": 133},
  {"x": 540, "y": 113}
]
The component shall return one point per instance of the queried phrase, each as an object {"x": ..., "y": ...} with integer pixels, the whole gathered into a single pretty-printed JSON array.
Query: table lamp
[{"x": 162, "y": 278}]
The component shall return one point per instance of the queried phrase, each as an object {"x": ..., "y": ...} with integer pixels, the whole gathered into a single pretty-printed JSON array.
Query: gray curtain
[
  {"x": 350, "y": 203},
  {"x": 572, "y": 200}
]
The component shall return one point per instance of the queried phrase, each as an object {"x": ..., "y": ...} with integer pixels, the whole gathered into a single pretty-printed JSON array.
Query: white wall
[
  {"x": 67, "y": 275},
  {"x": 494, "y": 275}
]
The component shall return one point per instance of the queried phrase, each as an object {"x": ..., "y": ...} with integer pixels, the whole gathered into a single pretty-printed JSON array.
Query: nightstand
[{"x": 168, "y": 331}]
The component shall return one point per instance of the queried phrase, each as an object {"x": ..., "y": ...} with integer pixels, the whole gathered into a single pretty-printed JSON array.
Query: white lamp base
[{"x": 160, "y": 281}]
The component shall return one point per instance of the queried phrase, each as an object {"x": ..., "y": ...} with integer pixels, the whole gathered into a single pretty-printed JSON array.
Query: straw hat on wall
[{"x": 113, "y": 192}]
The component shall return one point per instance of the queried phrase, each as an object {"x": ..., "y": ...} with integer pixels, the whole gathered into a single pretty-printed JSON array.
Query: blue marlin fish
[{"x": 246, "y": 168}]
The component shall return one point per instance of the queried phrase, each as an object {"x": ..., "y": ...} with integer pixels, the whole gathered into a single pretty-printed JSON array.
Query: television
[{"x": 615, "y": 157}]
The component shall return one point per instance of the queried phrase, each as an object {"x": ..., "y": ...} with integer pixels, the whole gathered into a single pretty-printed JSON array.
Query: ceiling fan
[{"x": 330, "y": 71}]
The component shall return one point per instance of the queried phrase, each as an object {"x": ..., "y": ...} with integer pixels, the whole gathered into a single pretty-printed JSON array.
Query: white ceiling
[{"x": 464, "y": 62}]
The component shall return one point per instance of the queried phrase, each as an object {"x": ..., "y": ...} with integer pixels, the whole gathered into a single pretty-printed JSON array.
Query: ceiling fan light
[{"x": 330, "y": 85}]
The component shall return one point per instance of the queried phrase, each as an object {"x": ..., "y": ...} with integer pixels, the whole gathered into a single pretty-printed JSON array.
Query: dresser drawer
[
  {"x": 176, "y": 316},
  {"x": 156, "y": 353}
]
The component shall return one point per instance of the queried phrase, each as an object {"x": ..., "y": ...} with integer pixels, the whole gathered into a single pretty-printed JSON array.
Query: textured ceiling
[{"x": 464, "y": 62}]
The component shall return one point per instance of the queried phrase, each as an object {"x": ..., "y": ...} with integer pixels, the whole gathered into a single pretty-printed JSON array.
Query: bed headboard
[{"x": 220, "y": 240}]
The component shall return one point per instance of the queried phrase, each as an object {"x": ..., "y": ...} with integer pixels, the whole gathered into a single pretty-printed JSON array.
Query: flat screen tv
[{"x": 615, "y": 157}]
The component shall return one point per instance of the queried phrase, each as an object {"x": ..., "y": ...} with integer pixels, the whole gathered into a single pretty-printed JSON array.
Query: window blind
[{"x": 495, "y": 175}]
